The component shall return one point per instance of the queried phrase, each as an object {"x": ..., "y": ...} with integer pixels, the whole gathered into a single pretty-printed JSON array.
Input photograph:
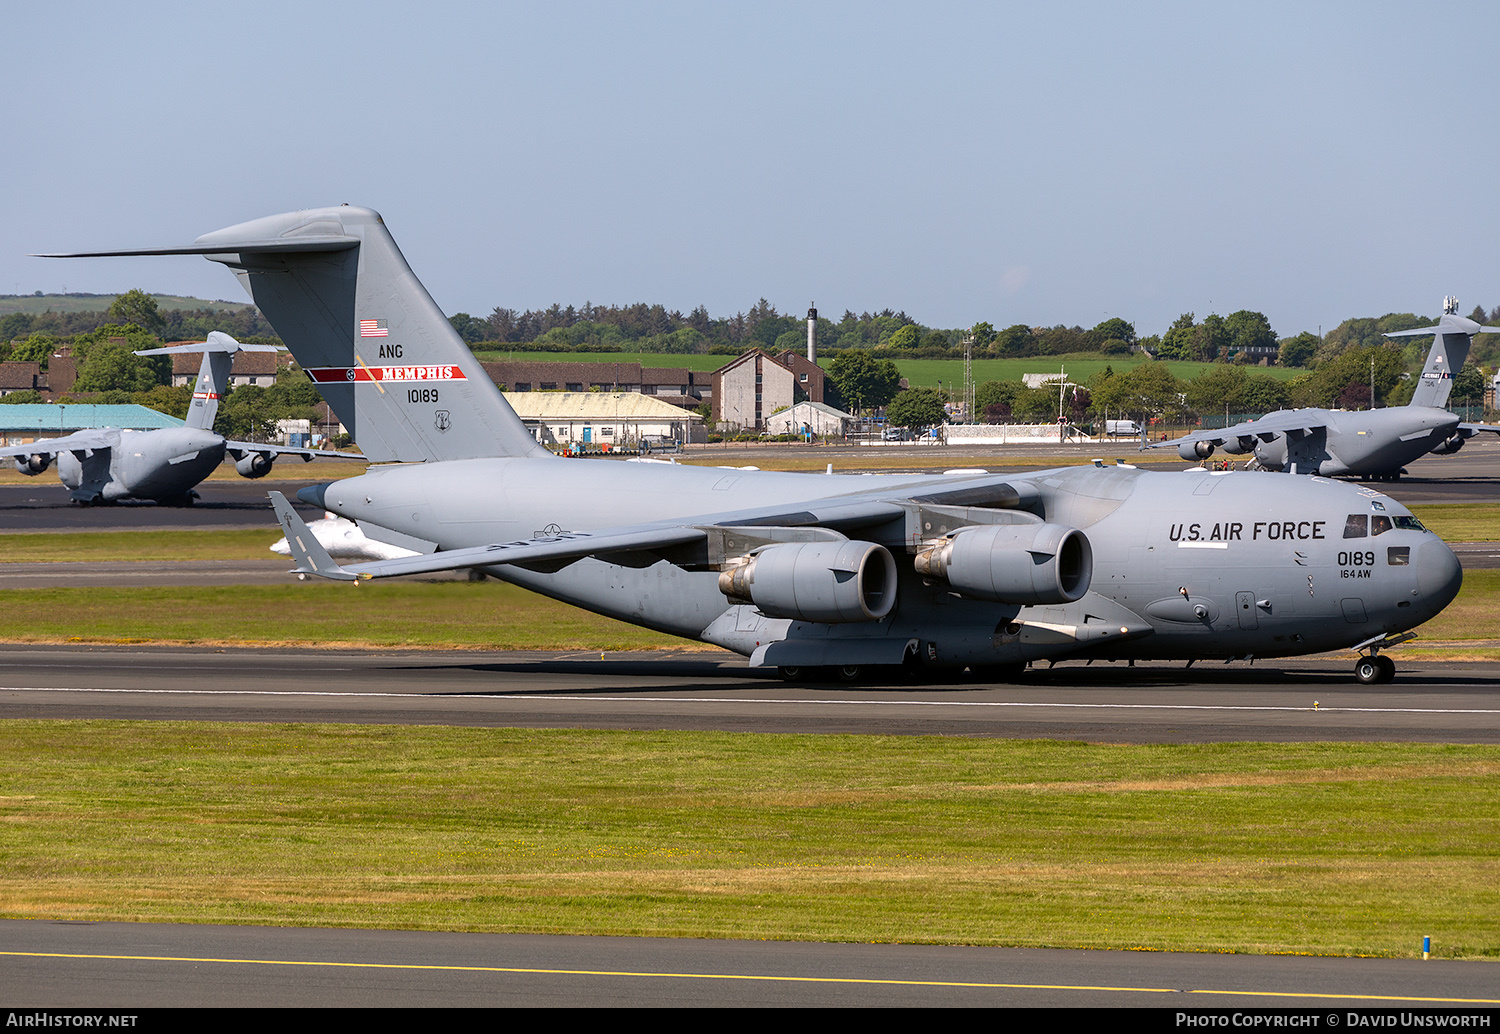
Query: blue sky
[{"x": 1015, "y": 163}]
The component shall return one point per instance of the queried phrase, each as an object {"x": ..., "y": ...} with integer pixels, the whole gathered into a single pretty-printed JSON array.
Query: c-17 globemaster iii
[
  {"x": 817, "y": 574},
  {"x": 111, "y": 464},
  {"x": 1371, "y": 444}
]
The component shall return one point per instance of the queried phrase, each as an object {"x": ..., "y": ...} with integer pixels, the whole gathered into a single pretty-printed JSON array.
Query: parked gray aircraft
[
  {"x": 1375, "y": 444},
  {"x": 108, "y": 464},
  {"x": 816, "y": 574}
]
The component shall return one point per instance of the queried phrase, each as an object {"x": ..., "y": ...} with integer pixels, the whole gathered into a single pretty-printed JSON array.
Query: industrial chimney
[{"x": 812, "y": 332}]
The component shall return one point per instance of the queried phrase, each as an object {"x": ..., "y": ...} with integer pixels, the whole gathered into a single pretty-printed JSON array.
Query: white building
[
  {"x": 601, "y": 418},
  {"x": 819, "y": 418}
]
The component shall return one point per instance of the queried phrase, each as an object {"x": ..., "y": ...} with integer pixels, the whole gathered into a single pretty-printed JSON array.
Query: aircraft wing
[
  {"x": 1294, "y": 423},
  {"x": 238, "y": 449},
  {"x": 1470, "y": 430},
  {"x": 640, "y": 545},
  {"x": 312, "y": 558},
  {"x": 91, "y": 439}
]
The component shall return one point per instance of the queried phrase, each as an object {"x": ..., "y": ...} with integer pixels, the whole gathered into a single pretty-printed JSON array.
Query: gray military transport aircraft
[
  {"x": 110, "y": 464},
  {"x": 1372, "y": 444},
  {"x": 821, "y": 575}
]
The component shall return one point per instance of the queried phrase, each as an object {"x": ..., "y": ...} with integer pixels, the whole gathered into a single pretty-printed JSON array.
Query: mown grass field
[
  {"x": 1318, "y": 848},
  {"x": 446, "y": 615},
  {"x": 920, "y": 373}
]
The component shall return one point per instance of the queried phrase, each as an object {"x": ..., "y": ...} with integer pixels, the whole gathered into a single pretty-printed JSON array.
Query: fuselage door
[{"x": 1244, "y": 604}]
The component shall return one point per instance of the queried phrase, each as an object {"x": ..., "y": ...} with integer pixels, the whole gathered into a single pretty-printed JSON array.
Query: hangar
[
  {"x": 24, "y": 424},
  {"x": 602, "y": 418}
]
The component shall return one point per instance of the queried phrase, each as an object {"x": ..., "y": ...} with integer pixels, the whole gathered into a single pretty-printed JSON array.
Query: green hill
[{"x": 74, "y": 302}]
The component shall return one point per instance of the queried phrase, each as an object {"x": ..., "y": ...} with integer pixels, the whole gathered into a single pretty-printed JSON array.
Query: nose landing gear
[{"x": 1373, "y": 669}]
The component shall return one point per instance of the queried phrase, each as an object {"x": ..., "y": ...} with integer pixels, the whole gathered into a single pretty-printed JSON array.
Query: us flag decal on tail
[{"x": 373, "y": 328}]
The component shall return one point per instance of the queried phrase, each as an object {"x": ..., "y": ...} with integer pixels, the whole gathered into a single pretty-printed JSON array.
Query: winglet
[{"x": 309, "y": 553}]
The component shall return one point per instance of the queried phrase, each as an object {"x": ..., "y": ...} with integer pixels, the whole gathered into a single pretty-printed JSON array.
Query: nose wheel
[{"x": 1375, "y": 671}]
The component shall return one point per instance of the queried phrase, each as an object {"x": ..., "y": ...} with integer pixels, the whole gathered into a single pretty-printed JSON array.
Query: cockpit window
[
  {"x": 1380, "y": 524},
  {"x": 1357, "y": 526},
  {"x": 1398, "y": 556},
  {"x": 1409, "y": 524}
]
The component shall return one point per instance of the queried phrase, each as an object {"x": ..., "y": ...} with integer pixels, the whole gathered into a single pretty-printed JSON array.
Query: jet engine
[
  {"x": 1448, "y": 446},
  {"x": 254, "y": 464},
  {"x": 34, "y": 464},
  {"x": 1241, "y": 445},
  {"x": 1195, "y": 450},
  {"x": 1024, "y": 564},
  {"x": 826, "y": 582}
]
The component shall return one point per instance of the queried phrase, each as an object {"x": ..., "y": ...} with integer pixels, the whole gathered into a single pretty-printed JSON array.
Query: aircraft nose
[{"x": 1439, "y": 574}]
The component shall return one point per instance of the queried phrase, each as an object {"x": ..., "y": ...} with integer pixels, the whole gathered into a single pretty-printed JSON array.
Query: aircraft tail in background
[
  {"x": 213, "y": 373},
  {"x": 1450, "y": 347}
]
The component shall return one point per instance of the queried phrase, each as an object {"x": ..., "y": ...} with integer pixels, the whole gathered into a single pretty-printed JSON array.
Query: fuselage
[
  {"x": 1184, "y": 565},
  {"x": 163, "y": 465}
]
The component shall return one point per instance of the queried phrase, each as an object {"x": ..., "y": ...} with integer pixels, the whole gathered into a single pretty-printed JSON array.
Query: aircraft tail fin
[
  {"x": 1450, "y": 348},
  {"x": 213, "y": 373},
  {"x": 338, "y": 291}
]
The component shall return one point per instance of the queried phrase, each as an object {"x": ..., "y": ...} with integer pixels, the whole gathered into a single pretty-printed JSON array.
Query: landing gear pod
[
  {"x": 1195, "y": 450},
  {"x": 1024, "y": 564},
  {"x": 33, "y": 465},
  {"x": 254, "y": 464},
  {"x": 826, "y": 582}
]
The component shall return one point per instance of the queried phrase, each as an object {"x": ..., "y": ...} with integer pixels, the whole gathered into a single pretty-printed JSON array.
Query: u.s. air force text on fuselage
[{"x": 1233, "y": 531}]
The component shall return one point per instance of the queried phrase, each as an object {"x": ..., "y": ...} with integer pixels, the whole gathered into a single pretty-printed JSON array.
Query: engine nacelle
[
  {"x": 254, "y": 464},
  {"x": 34, "y": 464},
  {"x": 1449, "y": 446},
  {"x": 1241, "y": 445},
  {"x": 1024, "y": 564},
  {"x": 826, "y": 582},
  {"x": 1195, "y": 450}
]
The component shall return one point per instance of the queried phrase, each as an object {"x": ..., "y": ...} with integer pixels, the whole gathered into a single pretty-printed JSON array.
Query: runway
[
  {"x": 1297, "y": 700},
  {"x": 120, "y": 966},
  {"x": 43, "y": 505}
]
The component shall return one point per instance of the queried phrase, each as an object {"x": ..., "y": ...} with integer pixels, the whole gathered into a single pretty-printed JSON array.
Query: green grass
[
  {"x": 1473, "y": 615},
  {"x": 925, "y": 373},
  {"x": 652, "y": 360},
  {"x": 1321, "y": 848},
  {"x": 44, "y": 547},
  {"x": 405, "y": 614},
  {"x": 921, "y": 373},
  {"x": 1461, "y": 522}
]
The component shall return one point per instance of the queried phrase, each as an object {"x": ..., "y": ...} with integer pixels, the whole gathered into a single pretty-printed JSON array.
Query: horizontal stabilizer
[
  {"x": 309, "y": 243},
  {"x": 307, "y": 551},
  {"x": 217, "y": 341}
]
